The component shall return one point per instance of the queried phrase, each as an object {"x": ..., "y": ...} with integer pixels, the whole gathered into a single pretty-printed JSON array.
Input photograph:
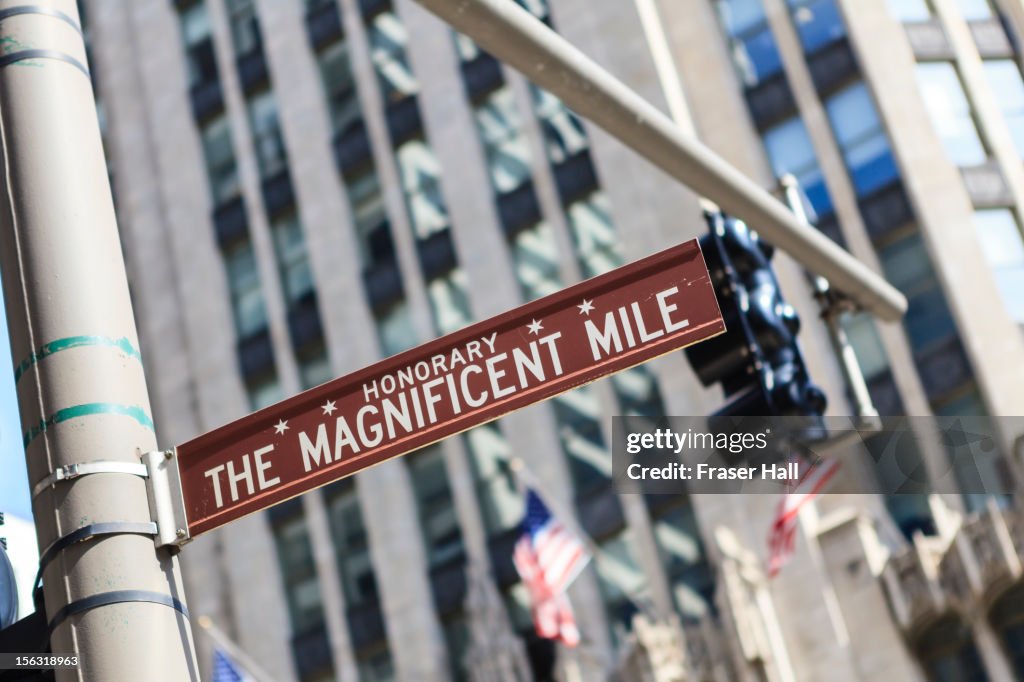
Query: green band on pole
[
  {"x": 86, "y": 410},
  {"x": 67, "y": 343}
]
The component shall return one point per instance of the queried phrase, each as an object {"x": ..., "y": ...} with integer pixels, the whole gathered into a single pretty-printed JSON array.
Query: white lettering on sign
[
  {"x": 631, "y": 327},
  {"x": 467, "y": 377},
  {"x": 244, "y": 474},
  {"x": 399, "y": 411}
]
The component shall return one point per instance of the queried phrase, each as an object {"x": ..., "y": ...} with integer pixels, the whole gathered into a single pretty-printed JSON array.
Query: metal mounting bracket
[{"x": 166, "y": 500}]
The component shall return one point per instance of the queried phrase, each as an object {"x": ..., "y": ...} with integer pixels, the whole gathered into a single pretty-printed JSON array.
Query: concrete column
[
  {"x": 321, "y": 194},
  {"x": 992, "y": 124},
  {"x": 850, "y": 549},
  {"x": 252, "y": 197},
  {"x": 844, "y": 199},
  {"x": 206, "y": 316}
]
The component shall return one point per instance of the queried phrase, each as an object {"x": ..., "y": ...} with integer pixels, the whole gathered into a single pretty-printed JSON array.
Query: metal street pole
[
  {"x": 833, "y": 307},
  {"x": 111, "y": 597},
  {"x": 517, "y": 38}
]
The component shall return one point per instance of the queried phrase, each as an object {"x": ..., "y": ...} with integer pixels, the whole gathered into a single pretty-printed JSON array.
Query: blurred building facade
[{"x": 304, "y": 188}]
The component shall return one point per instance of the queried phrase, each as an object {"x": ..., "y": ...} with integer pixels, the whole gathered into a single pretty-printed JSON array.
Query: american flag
[
  {"x": 226, "y": 670},
  {"x": 548, "y": 556},
  {"x": 814, "y": 476}
]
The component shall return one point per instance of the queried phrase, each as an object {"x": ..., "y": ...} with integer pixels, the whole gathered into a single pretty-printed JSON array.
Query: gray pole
[
  {"x": 112, "y": 598},
  {"x": 517, "y": 38},
  {"x": 832, "y": 308}
]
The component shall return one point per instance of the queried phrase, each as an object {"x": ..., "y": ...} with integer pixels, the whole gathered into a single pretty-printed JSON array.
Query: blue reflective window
[
  {"x": 818, "y": 22},
  {"x": 910, "y": 10},
  {"x": 862, "y": 139},
  {"x": 1003, "y": 245},
  {"x": 790, "y": 151},
  {"x": 950, "y": 112},
  {"x": 974, "y": 10},
  {"x": 1008, "y": 86},
  {"x": 907, "y": 266},
  {"x": 753, "y": 46}
]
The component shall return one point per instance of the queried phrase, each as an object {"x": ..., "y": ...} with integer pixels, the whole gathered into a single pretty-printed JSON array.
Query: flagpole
[
  {"x": 225, "y": 642},
  {"x": 525, "y": 478}
]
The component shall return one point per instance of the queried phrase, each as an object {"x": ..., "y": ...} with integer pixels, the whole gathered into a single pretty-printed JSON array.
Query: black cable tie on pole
[
  {"x": 115, "y": 597},
  {"x": 88, "y": 532}
]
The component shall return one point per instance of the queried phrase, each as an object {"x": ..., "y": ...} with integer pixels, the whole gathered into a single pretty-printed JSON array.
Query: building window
[
  {"x": 387, "y": 47},
  {"x": 910, "y": 10},
  {"x": 295, "y": 557},
  {"x": 396, "y": 330},
  {"x": 871, "y": 356},
  {"x": 790, "y": 151},
  {"x": 339, "y": 86},
  {"x": 499, "y": 125},
  {"x": 456, "y": 639},
  {"x": 501, "y": 503},
  {"x": 947, "y": 653},
  {"x": 682, "y": 554},
  {"x": 421, "y": 182},
  {"x": 200, "y": 58},
  {"x": 245, "y": 26},
  {"x": 639, "y": 396},
  {"x": 266, "y": 134},
  {"x": 292, "y": 256},
  {"x": 975, "y": 10},
  {"x": 950, "y": 112},
  {"x": 861, "y": 138},
  {"x": 535, "y": 259},
  {"x": 263, "y": 391},
  {"x": 593, "y": 233},
  {"x": 219, "y": 153},
  {"x": 754, "y": 52},
  {"x": 907, "y": 266},
  {"x": 371, "y": 220},
  {"x": 244, "y": 284},
  {"x": 818, "y": 22},
  {"x": 314, "y": 365},
  {"x": 563, "y": 131},
  {"x": 377, "y": 668},
  {"x": 1008, "y": 87},
  {"x": 621, "y": 581},
  {"x": 579, "y": 430},
  {"x": 351, "y": 547},
  {"x": 449, "y": 301},
  {"x": 1002, "y": 243},
  {"x": 438, "y": 520}
]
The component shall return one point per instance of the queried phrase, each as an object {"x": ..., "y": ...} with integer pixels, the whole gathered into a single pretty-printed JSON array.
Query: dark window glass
[
  {"x": 302, "y": 591},
  {"x": 861, "y": 138}
]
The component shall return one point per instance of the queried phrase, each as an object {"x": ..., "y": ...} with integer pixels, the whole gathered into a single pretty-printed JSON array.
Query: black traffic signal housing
[{"x": 758, "y": 359}]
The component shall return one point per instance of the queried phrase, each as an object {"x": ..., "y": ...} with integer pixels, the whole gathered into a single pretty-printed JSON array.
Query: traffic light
[{"x": 758, "y": 360}]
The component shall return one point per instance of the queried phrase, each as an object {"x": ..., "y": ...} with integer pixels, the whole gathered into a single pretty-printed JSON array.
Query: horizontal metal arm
[{"x": 517, "y": 38}]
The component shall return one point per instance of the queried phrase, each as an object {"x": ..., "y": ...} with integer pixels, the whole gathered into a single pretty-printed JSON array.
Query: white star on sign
[
  {"x": 329, "y": 407},
  {"x": 281, "y": 426},
  {"x": 586, "y": 307},
  {"x": 535, "y": 327}
]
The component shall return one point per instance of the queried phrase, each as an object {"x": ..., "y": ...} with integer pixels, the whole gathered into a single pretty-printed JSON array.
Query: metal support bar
[
  {"x": 516, "y": 37},
  {"x": 833, "y": 306}
]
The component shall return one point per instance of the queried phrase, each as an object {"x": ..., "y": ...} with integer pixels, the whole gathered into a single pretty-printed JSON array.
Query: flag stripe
[{"x": 548, "y": 557}]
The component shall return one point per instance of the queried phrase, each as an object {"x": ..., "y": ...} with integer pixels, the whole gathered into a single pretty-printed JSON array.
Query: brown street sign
[{"x": 603, "y": 325}]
